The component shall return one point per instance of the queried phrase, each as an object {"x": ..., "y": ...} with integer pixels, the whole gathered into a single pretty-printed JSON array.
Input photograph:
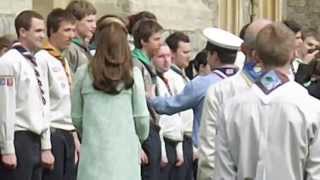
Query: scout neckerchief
[
  {"x": 224, "y": 72},
  {"x": 139, "y": 55},
  {"x": 81, "y": 43},
  {"x": 271, "y": 80},
  {"x": 177, "y": 70},
  {"x": 58, "y": 55},
  {"x": 27, "y": 54},
  {"x": 252, "y": 71},
  {"x": 166, "y": 82}
]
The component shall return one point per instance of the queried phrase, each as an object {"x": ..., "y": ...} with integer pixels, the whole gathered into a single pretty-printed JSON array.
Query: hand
[
  {"x": 163, "y": 162},
  {"x": 144, "y": 157},
  {"x": 195, "y": 156},
  {"x": 9, "y": 161},
  {"x": 47, "y": 159},
  {"x": 310, "y": 56},
  {"x": 179, "y": 161},
  {"x": 77, "y": 147}
]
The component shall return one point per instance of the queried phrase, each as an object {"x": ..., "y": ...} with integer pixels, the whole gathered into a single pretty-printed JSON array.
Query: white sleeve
[
  {"x": 207, "y": 136},
  {"x": 7, "y": 107},
  {"x": 312, "y": 166},
  {"x": 225, "y": 167}
]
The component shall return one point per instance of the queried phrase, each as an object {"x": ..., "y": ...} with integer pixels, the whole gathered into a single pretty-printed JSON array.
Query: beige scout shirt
[
  {"x": 77, "y": 55},
  {"x": 216, "y": 96},
  {"x": 21, "y": 105},
  {"x": 58, "y": 88}
]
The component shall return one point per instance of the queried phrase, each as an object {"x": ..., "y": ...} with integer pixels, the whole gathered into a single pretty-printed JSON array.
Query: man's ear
[
  {"x": 22, "y": 32},
  {"x": 256, "y": 57},
  {"x": 244, "y": 49},
  {"x": 142, "y": 42}
]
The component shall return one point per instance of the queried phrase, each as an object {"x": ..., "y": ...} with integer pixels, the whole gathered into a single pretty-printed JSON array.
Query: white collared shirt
[
  {"x": 171, "y": 125},
  {"x": 178, "y": 83},
  {"x": 269, "y": 136},
  {"x": 21, "y": 105},
  {"x": 58, "y": 87}
]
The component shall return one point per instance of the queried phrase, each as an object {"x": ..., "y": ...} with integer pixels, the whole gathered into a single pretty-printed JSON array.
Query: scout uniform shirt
[
  {"x": 269, "y": 132},
  {"x": 217, "y": 95},
  {"x": 192, "y": 96},
  {"x": 143, "y": 63},
  {"x": 56, "y": 69},
  {"x": 77, "y": 53},
  {"x": 171, "y": 126},
  {"x": 21, "y": 103},
  {"x": 179, "y": 81}
]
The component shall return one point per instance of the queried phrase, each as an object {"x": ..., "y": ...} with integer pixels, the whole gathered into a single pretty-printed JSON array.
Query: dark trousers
[
  {"x": 28, "y": 153},
  {"x": 63, "y": 149},
  {"x": 188, "y": 158},
  {"x": 170, "y": 171},
  {"x": 152, "y": 147}
]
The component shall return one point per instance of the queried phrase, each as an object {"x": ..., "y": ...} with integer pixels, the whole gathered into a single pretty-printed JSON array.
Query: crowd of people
[{"x": 111, "y": 99}]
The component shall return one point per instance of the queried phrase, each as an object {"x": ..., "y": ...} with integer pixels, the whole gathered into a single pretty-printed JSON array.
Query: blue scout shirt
[{"x": 192, "y": 96}]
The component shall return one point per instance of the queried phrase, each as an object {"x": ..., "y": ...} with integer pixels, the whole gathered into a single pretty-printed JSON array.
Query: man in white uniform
[
  {"x": 57, "y": 74},
  {"x": 24, "y": 128},
  {"x": 171, "y": 132},
  {"x": 271, "y": 131},
  {"x": 220, "y": 93}
]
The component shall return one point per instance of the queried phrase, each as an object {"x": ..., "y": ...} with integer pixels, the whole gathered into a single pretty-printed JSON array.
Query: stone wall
[
  {"x": 190, "y": 16},
  {"x": 305, "y": 12}
]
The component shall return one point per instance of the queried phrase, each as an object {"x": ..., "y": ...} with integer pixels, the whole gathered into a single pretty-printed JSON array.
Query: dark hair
[
  {"x": 274, "y": 44},
  {"x": 143, "y": 15},
  {"x": 226, "y": 56},
  {"x": 311, "y": 33},
  {"x": 200, "y": 59},
  {"x": 293, "y": 25},
  {"x": 6, "y": 41},
  {"x": 143, "y": 30},
  {"x": 24, "y": 19},
  {"x": 112, "y": 64},
  {"x": 174, "y": 39},
  {"x": 243, "y": 31},
  {"x": 55, "y": 17},
  {"x": 80, "y": 9}
]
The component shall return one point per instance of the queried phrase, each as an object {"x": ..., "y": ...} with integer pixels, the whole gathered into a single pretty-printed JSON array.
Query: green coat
[{"x": 111, "y": 127}]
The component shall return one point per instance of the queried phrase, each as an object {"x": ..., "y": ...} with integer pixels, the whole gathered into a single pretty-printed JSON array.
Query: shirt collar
[
  {"x": 52, "y": 50},
  {"x": 80, "y": 42}
]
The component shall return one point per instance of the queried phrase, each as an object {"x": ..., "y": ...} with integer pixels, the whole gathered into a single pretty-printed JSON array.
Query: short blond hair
[{"x": 275, "y": 44}]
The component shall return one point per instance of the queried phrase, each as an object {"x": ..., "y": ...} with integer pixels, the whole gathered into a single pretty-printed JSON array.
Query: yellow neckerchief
[{"x": 53, "y": 51}]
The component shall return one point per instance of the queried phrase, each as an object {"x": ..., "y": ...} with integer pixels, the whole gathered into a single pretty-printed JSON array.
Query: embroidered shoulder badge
[{"x": 6, "y": 81}]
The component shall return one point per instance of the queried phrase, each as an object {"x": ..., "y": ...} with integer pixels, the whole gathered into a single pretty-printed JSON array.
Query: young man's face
[
  {"x": 311, "y": 43},
  {"x": 163, "y": 59},
  {"x": 86, "y": 27},
  {"x": 35, "y": 35},
  {"x": 153, "y": 44},
  {"x": 64, "y": 35},
  {"x": 182, "y": 55}
]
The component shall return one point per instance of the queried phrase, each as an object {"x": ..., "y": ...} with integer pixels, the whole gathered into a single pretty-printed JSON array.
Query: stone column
[{"x": 8, "y": 11}]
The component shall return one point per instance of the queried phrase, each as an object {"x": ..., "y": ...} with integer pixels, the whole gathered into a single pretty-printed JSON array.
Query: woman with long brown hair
[{"x": 109, "y": 107}]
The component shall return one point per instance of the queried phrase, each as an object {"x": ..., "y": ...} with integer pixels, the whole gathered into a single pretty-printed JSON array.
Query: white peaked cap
[{"x": 222, "y": 38}]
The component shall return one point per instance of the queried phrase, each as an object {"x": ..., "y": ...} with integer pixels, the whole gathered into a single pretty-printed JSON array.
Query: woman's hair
[{"x": 112, "y": 64}]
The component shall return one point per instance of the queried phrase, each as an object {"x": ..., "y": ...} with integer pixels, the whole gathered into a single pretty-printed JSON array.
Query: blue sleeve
[{"x": 187, "y": 99}]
